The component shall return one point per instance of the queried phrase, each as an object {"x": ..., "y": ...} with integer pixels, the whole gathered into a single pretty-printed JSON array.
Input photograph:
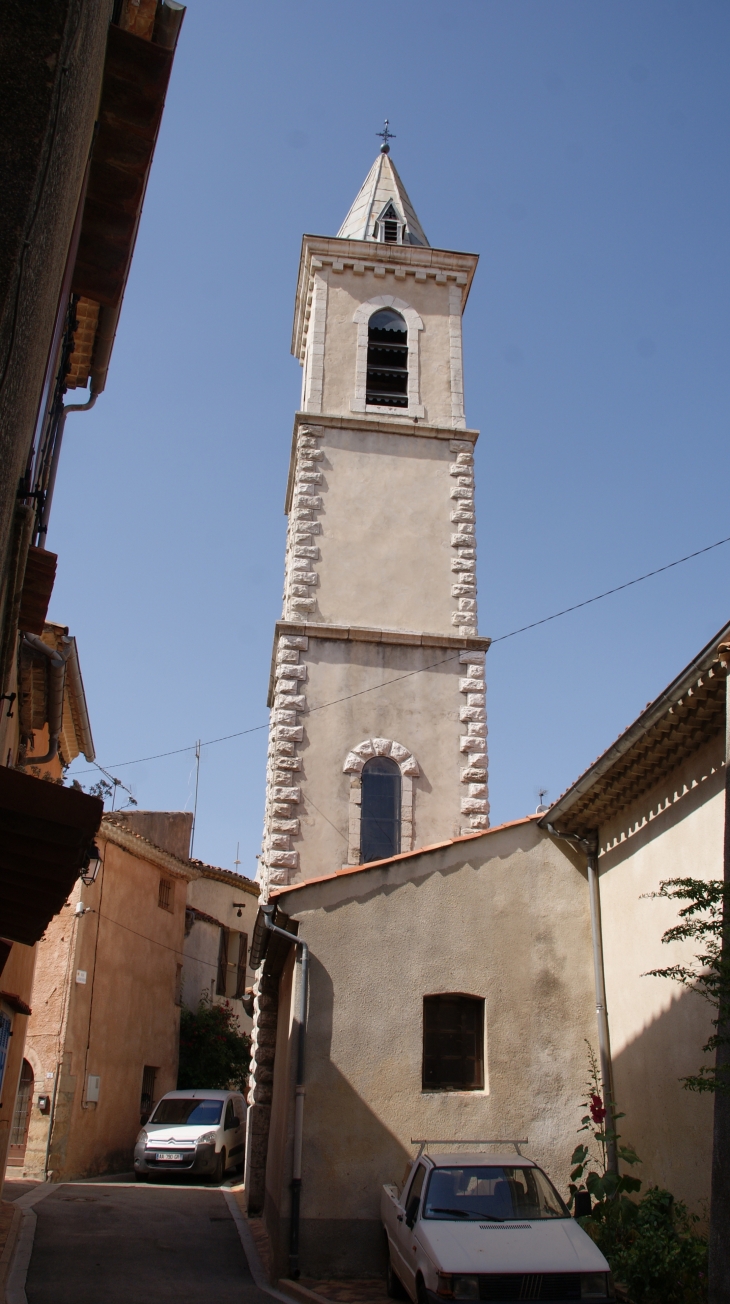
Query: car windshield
[
  {"x": 492, "y": 1195},
  {"x": 195, "y": 1113}
]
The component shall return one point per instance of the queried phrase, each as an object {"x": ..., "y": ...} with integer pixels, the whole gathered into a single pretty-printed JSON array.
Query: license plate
[{"x": 167, "y": 1157}]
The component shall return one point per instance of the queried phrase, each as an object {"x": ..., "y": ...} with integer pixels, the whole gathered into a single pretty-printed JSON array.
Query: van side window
[{"x": 231, "y": 1120}]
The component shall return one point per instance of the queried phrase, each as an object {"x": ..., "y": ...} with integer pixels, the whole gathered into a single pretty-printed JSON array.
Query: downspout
[
  {"x": 46, "y": 512},
  {"x": 296, "y": 1183},
  {"x": 590, "y": 846},
  {"x": 58, "y": 659}
]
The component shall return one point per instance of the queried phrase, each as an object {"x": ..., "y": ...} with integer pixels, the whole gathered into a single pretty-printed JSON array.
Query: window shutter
[
  {"x": 241, "y": 972},
  {"x": 220, "y": 987}
]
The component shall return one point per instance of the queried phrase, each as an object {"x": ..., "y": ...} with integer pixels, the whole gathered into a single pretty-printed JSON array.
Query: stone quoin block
[
  {"x": 284, "y": 859},
  {"x": 479, "y": 761},
  {"x": 462, "y": 564},
  {"x": 462, "y": 513},
  {"x": 305, "y": 554},
  {"x": 459, "y": 492},
  {"x": 476, "y": 699},
  {"x": 305, "y": 577},
  {"x": 477, "y": 789},
  {"x": 467, "y": 604},
  {"x": 463, "y": 589},
  {"x": 290, "y": 704},
  {"x": 293, "y": 732},
  {"x": 470, "y": 743},
  {"x": 285, "y": 717},
  {"x": 285, "y": 826},
  {"x": 292, "y": 672},
  {"x": 299, "y": 641},
  {"x": 471, "y": 686},
  {"x": 279, "y": 842},
  {"x": 309, "y": 477},
  {"x": 289, "y": 762},
  {"x": 473, "y": 806},
  {"x": 461, "y": 540},
  {"x": 472, "y": 713},
  {"x": 302, "y": 604},
  {"x": 287, "y": 656},
  {"x": 286, "y": 794},
  {"x": 281, "y": 747},
  {"x": 471, "y": 655},
  {"x": 287, "y": 686},
  {"x": 473, "y": 774},
  {"x": 475, "y": 672}
]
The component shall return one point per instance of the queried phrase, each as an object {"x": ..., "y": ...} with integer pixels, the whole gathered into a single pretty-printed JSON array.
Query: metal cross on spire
[{"x": 385, "y": 136}]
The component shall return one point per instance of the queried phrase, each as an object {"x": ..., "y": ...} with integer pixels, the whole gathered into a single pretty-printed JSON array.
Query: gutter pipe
[
  {"x": 55, "y": 456},
  {"x": 58, "y": 659},
  {"x": 590, "y": 847},
  {"x": 296, "y": 1183}
]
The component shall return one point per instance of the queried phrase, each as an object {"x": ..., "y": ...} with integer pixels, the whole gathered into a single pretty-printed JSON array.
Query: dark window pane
[
  {"x": 453, "y": 1043},
  {"x": 380, "y": 811}
]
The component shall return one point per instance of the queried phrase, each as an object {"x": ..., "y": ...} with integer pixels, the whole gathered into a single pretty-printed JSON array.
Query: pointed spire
[{"x": 382, "y": 188}]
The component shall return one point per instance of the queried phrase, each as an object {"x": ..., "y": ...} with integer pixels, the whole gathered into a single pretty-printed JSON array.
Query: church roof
[{"x": 381, "y": 188}]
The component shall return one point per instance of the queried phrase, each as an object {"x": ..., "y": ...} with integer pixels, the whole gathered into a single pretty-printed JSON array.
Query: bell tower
[{"x": 378, "y": 727}]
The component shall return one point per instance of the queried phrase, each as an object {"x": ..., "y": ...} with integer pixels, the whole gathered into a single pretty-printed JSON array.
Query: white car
[
  {"x": 486, "y": 1227},
  {"x": 193, "y": 1132}
]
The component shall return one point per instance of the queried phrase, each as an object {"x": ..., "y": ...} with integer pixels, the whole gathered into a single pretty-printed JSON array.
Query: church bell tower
[{"x": 378, "y": 727}]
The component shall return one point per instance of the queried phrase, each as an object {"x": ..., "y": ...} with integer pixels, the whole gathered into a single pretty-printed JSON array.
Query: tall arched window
[
  {"x": 387, "y": 379},
  {"x": 380, "y": 818}
]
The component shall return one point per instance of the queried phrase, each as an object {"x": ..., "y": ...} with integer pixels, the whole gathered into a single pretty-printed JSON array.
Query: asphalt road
[{"x": 127, "y": 1244}]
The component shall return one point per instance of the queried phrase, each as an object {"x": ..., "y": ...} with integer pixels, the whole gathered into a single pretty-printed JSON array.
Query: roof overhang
[
  {"x": 46, "y": 832},
  {"x": 136, "y": 76},
  {"x": 361, "y": 256},
  {"x": 689, "y": 713}
]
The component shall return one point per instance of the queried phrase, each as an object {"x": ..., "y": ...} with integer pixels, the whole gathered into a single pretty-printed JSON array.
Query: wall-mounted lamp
[
  {"x": 238, "y": 906},
  {"x": 91, "y": 866}
]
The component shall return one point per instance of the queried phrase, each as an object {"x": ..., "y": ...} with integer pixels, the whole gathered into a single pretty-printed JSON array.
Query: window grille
[
  {"x": 221, "y": 984},
  {"x": 380, "y": 809},
  {"x": 453, "y": 1043},
  {"x": 148, "y": 1090},
  {"x": 387, "y": 370},
  {"x": 241, "y": 970},
  {"x": 23, "y": 1101},
  {"x": 165, "y": 897}
]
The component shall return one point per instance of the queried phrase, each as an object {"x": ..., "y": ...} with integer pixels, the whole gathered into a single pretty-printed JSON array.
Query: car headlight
[
  {"x": 205, "y": 1138},
  {"x": 142, "y": 1138},
  {"x": 595, "y": 1285},
  {"x": 466, "y": 1288}
]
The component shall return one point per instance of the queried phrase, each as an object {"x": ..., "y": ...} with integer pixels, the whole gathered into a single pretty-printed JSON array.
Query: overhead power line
[{"x": 211, "y": 742}]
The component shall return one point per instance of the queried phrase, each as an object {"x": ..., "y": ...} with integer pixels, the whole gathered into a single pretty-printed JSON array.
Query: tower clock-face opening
[{"x": 387, "y": 378}]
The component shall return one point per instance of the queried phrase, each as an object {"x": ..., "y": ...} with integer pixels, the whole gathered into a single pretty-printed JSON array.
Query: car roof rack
[{"x": 484, "y": 1142}]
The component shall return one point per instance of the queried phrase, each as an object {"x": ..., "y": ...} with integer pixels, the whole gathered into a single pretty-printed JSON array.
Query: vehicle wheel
[
  {"x": 421, "y": 1292},
  {"x": 393, "y": 1283},
  {"x": 141, "y": 1177},
  {"x": 219, "y": 1171}
]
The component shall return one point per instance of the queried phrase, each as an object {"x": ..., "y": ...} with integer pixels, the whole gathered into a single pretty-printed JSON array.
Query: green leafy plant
[
  {"x": 703, "y": 921},
  {"x": 651, "y": 1244},
  {"x": 590, "y": 1171},
  {"x": 214, "y": 1053}
]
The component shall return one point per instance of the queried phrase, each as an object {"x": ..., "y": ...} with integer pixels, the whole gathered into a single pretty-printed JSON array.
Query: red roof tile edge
[{"x": 404, "y": 855}]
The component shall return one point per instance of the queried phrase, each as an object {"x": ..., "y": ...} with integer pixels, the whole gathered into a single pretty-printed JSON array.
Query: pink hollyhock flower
[{"x": 598, "y": 1113}]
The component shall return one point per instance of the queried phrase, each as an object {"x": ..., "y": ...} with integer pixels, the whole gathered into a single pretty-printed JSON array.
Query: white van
[
  {"x": 486, "y": 1227},
  {"x": 193, "y": 1132}
]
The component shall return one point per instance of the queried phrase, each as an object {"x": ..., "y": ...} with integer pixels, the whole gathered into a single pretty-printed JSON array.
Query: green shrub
[
  {"x": 214, "y": 1054},
  {"x": 652, "y": 1248}
]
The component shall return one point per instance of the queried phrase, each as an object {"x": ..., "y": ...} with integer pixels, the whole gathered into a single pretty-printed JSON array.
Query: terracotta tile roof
[
  {"x": 405, "y": 855},
  {"x": 687, "y": 715}
]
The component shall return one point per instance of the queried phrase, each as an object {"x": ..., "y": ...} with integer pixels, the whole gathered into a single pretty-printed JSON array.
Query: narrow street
[{"x": 112, "y": 1243}]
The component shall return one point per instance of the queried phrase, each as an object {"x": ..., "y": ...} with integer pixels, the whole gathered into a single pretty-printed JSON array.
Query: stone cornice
[
  {"x": 319, "y": 251},
  {"x": 368, "y": 424},
  {"x": 143, "y": 849},
  {"x": 356, "y": 634},
  {"x": 238, "y": 881}
]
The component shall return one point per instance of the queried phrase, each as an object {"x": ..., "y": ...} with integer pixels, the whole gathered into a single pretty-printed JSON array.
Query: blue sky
[{"x": 581, "y": 150}]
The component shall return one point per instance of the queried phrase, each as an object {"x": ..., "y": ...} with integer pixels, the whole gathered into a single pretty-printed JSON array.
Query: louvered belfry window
[
  {"x": 453, "y": 1043},
  {"x": 387, "y": 379}
]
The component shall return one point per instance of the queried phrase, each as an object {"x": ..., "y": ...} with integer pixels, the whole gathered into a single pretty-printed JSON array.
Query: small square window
[
  {"x": 453, "y": 1043},
  {"x": 166, "y": 897}
]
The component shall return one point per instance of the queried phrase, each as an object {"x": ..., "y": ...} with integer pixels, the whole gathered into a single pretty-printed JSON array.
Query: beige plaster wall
[
  {"x": 657, "y": 1030},
  {"x": 345, "y": 293},
  {"x": 504, "y": 916},
  {"x": 385, "y": 546},
  {"x": 420, "y": 712},
  {"x": 200, "y": 964},
  {"x": 123, "y": 1018},
  {"x": 16, "y": 978}
]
